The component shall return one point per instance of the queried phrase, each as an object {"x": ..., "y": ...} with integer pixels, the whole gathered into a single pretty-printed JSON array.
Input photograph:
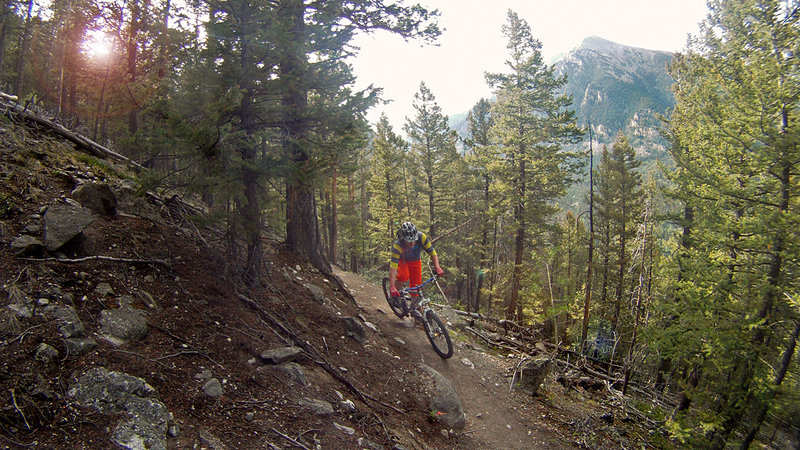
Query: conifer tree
[
  {"x": 532, "y": 122},
  {"x": 433, "y": 148},
  {"x": 480, "y": 161},
  {"x": 736, "y": 165},
  {"x": 388, "y": 194}
]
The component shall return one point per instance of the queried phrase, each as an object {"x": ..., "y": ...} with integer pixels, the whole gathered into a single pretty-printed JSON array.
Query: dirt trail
[{"x": 496, "y": 418}]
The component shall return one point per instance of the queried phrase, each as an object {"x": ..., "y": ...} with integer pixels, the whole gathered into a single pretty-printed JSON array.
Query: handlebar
[{"x": 418, "y": 288}]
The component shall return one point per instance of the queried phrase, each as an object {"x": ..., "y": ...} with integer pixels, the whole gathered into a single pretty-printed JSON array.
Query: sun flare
[{"x": 97, "y": 44}]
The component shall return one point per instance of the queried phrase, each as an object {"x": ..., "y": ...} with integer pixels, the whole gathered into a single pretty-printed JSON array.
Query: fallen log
[{"x": 14, "y": 110}]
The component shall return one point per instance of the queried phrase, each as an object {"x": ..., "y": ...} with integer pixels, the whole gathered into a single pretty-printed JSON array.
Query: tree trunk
[
  {"x": 4, "y": 24},
  {"x": 621, "y": 274},
  {"x": 302, "y": 229},
  {"x": 132, "y": 47},
  {"x": 333, "y": 225},
  {"x": 761, "y": 414},
  {"x": 23, "y": 51},
  {"x": 588, "y": 299},
  {"x": 629, "y": 362}
]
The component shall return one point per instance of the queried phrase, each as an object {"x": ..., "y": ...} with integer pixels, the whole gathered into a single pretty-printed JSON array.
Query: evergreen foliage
[
  {"x": 532, "y": 122},
  {"x": 734, "y": 141}
]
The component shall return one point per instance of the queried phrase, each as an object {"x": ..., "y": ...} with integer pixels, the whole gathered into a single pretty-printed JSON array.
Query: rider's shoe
[{"x": 416, "y": 314}]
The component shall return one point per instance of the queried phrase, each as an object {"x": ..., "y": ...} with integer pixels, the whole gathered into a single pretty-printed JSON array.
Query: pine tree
[
  {"x": 388, "y": 194},
  {"x": 324, "y": 30},
  {"x": 480, "y": 160},
  {"x": 532, "y": 122},
  {"x": 736, "y": 163},
  {"x": 433, "y": 148}
]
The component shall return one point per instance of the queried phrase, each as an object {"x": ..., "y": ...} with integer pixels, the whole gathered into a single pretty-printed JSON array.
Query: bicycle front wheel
[
  {"x": 396, "y": 306},
  {"x": 438, "y": 335}
]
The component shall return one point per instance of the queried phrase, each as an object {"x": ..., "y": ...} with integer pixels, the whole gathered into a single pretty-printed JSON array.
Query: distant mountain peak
[{"x": 600, "y": 45}]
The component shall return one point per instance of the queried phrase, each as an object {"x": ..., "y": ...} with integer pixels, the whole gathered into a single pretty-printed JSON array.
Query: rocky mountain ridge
[{"x": 616, "y": 88}]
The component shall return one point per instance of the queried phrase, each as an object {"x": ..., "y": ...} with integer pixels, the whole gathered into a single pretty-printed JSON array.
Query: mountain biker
[{"x": 405, "y": 264}]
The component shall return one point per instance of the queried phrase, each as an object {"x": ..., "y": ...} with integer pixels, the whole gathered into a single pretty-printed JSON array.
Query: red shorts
[{"x": 410, "y": 271}]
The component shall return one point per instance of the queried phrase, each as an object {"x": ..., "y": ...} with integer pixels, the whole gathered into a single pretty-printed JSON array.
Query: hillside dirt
[{"x": 201, "y": 324}]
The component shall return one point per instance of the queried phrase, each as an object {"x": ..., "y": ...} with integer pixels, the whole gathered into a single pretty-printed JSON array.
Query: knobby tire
[
  {"x": 438, "y": 335},
  {"x": 396, "y": 309}
]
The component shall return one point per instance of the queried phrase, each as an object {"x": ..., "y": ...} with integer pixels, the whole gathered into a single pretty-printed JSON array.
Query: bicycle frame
[
  {"x": 421, "y": 299},
  {"x": 419, "y": 308}
]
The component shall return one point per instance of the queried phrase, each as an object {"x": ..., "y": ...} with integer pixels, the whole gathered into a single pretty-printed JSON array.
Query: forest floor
[{"x": 201, "y": 325}]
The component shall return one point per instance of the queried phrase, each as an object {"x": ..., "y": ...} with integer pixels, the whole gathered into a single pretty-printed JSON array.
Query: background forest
[{"x": 684, "y": 276}]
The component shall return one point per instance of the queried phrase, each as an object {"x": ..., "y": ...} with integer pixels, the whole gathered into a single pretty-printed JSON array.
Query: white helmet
[{"x": 407, "y": 232}]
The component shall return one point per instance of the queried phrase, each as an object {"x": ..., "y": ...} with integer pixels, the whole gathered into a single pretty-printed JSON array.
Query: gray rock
[
  {"x": 144, "y": 426},
  {"x": 80, "y": 345},
  {"x": 213, "y": 388},
  {"x": 281, "y": 355},
  {"x": 46, "y": 354},
  {"x": 22, "y": 310},
  {"x": 145, "y": 420},
  {"x": 348, "y": 405},
  {"x": 104, "y": 289},
  {"x": 19, "y": 303},
  {"x": 26, "y": 245},
  {"x": 62, "y": 223},
  {"x": 354, "y": 328},
  {"x": 316, "y": 292},
  {"x": 532, "y": 374},
  {"x": 211, "y": 441},
  {"x": 204, "y": 375},
  {"x": 345, "y": 429},
  {"x": 369, "y": 444},
  {"x": 294, "y": 371},
  {"x": 444, "y": 403},
  {"x": 69, "y": 324},
  {"x": 34, "y": 229},
  {"x": 97, "y": 197},
  {"x": 122, "y": 325},
  {"x": 320, "y": 407},
  {"x": 40, "y": 389},
  {"x": 125, "y": 301}
]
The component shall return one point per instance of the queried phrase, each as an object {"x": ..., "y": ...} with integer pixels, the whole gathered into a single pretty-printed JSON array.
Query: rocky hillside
[
  {"x": 118, "y": 330},
  {"x": 620, "y": 88},
  {"x": 615, "y": 88}
]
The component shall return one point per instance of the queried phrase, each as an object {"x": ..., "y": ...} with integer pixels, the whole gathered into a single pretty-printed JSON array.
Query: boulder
[
  {"x": 354, "y": 328},
  {"x": 319, "y": 407},
  {"x": 444, "y": 404},
  {"x": 62, "y": 223},
  {"x": 316, "y": 292},
  {"x": 97, "y": 197},
  {"x": 69, "y": 324},
  {"x": 26, "y": 245},
  {"x": 145, "y": 418},
  {"x": 213, "y": 388},
  {"x": 122, "y": 325},
  {"x": 46, "y": 354},
  {"x": 532, "y": 374},
  {"x": 281, "y": 355}
]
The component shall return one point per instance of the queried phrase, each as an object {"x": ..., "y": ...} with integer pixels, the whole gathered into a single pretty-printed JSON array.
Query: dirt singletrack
[{"x": 497, "y": 417}]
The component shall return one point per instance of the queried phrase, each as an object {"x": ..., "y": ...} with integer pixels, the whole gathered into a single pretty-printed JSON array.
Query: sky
[{"x": 473, "y": 44}]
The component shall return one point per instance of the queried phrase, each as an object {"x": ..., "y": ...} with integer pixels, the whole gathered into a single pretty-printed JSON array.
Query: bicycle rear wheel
[
  {"x": 438, "y": 335},
  {"x": 396, "y": 306}
]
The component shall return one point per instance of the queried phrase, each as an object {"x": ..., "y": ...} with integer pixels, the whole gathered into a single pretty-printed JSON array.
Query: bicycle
[{"x": 419, "y": 308}]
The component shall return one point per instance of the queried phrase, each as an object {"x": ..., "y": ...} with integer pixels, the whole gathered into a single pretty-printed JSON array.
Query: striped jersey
[{"x": 398, "y": 252}]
